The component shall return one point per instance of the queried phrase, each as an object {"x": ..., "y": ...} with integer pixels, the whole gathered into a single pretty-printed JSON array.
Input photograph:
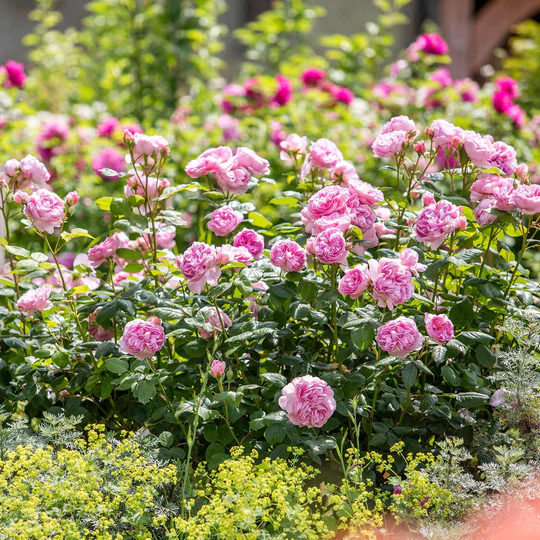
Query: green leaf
[
  {"x": 450, "y": 376},
  {"x": 362, "y": 336},
  {"x": 26, "y": 266},
  {"x": 121, "y": 207},
  {"x": 485, "y": 357},
  {"x": 438, "y": 354},
  {"x": 75, "y": 233},
  {"x": 105, "y": 349},
  {"x": 275, "y": 378},
  {"x": 286, "y": 201},
  {"x": 116, "y": 365},
  {"x": 481, "y": 337},
  {"x": 18, "y": 251},
  {"x": 166, "y": 439},
  {"x": 129, "y": 254},
  {"x": 144, "y": 391},
  {"x": 378, "y": 439},
  {"x": 428, "y": 402},
  {"x": 462, "y": 313},
  {"x": 107, "y": 312},
  {"x": 104, "y": 203},
  {"x": 259, "y": 220},
  {"x": 409, "y": 374},
  {"x": 133, "y": 267},
  {"x": 471, "y": 399},
  {"x": 275, "y": 434}
]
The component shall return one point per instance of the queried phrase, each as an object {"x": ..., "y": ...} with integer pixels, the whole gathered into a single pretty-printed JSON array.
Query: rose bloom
[
  {"x": 288, "y": 255},
  {"x": 444, "y": 133},
  {"x": 252, "y": 241},
  {"x": 325, "y": 154},
  {"x": 55, "y": 130},
  {"x": 399, "y": 123},
  {"x": 149, "y": 147},
  {"x": 330, "y": 247},
  {"x": 342, "y": 95},
  {"x": 216, "y": 321},
  {"x": 142, "y": 339},
  {"x": 35, "y": 300},
  {"x": 399, "y": 337},
  {"x": 45, "y": 209},
  {"x": 284, "y": 91},
  {"x": 227, "y": 254},
  {"x": 98, "y": 254},
  {"x": 508, "y": 85},
  {"x": 432, "y": 44},
  {"x": 439, "y": 327},
  {"x": 217, "y": 369},
  {"x": 527, "y": 199},
  {"x": 366, "y": 193},
  {"x": 355, "y": 281},
  {"x": 96, "y": 331},
  {"x": 107, "y": 127},
  {"x": 199, "y": 266},
  {"x": 313, "y": 76},
  {"x": 344, "y": 171},
  {"x": 294, "y": 144},
  {"x": 108, "y": 158},
  {"x": 208, "y": 162},
  {"x": 409, "y": 259},
  {"x": 335, "y": 220},
  {"x": 165, "y": 236},
  {"x": 437, "y": 221},
  {"x": 482, "y": 211},
  {"x": 34, "y": 172},
  {"x": 308, "y": 401},
  {"x": 503, "y": 156},
  {"x": 479, "y": 148},
  {"x": 328, "y": 201},
  {"x": 392, "y": 282},
  {"x": 224, "y": 220},
  {"x": 362, "y": 215},
  {"x": 389, "y": 144},
  {"x": 16, "y": 76},
  {"x": 251, "y": 161},
  {"x": 232, "y": 178},
  {"x": 146, "y": 187}
]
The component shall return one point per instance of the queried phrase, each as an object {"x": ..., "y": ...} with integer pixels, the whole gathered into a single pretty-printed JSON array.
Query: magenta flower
[
  {"x": 250, "y": 240},
  {"x": 355, "y": 281},
  {"x": 142, "y": 339},
  {"x": 288, "y": 256},
  {"x": 308, "y": 401},
  {"x": 53, "y": 135},
  {"x": 224, "y": 220},
  {"x": 439, "y": 327},
  {"x": 313, "y": 76},
  {"x": 433, "y": 44},
  {"x": 399, "y": 337},
  {"x": 46, "y": 210},
  {"x": 392, "y": 282},
  {"x": 108, "y": 158},
  {"x": 107, "y": 127},
  {"x": 217, "y": 368},
  {"x": 342, "y": 95},
  {"x": 199, "y": 266},
  {"x": 15, "y": 74},
  {"x": 284, "y": 91},
  {"x": 35, "y": 300}
]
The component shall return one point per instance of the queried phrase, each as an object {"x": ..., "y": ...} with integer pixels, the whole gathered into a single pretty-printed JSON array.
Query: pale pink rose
[
  {"x": 366, "y": 193},
  {"x": 227, "y": 254},
  {"x": 484, "y": 186},
  {"x": 20, "y": 197},
  {"x": 479, "y": 148},
  {"x": 165, "y": 237},
  {"x": 335, "y": 220},
  {"x": 148, "y": 188},
  {"x": 327, "y": 201},
  {"x": 35, "y": 174},
  {"x": 325, "y": 154},
  {"x": 444, "y": 133},
  {"x": 527, "y": 199},
  {"x": 355, "y": 281},
  {"x": 215, "y": 323},
  {"x": 72, "y": 198},
  {"x": 230, "y": 127},
  {"x": 294, "y": 144},
  {"x": 217, "y": 369},
  {"x": 46, "y": 210},
  {"x": 392, "y": 282},
  {"x": 439, "y": 327},
  {"x": 251, "y": 161},
  {"x": 362, "y": 215},
  {"x": 96, "y": 330},
  {"x": 437, "y": 221},
  {"x": 482, "y": 211},
  {"x": 208, "y": 162},
  {"x": 498, "y": 398},
  {"x": 232, "y": 178},
  {"x": 344, "y": 172},
  {"x": 389, "y": 144},
  {"x": 330, "y": 247},
  {"x": 399, "y": 337},
  {"x": 149, "y": 148},
  {"x": 98, "y": 254},
  {"x": 503, "y": 156},
  {"x": 199, "y": 266},
  {"x": 142, "y": 339},
  {"x": 35, "y": 300},
  {"x": 409, "y": 259},
  {"x": 288, "y": 256},
  {"x": 399, "y": 123},
  {"x": 224, "y": 220},
  {"x": 308, "y": 401},
  {"x": 252, "y": 241}
]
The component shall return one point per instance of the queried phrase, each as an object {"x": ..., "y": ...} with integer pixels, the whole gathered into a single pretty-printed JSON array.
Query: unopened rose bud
[
  {"x": 420, "y": 147},
  {"x": 72, "y": 198},
  {"x": 522, "y": 170},
  {"x": 429, "y": 133},
  {"x": 128, "y": 137},
  {"x": 20, "y": 197}
]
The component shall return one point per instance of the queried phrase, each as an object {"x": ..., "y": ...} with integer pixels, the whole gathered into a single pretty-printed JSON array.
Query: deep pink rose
[
  {"x": 399, "y": 123},
  {"x": 355, "y": 281},
  {"x": 288, "y": 256},
  {"x": 389, "y": 144},
  {"x": 313, "y": 76},
  {"x": 217, "y": 369},
  {"x": 199, "y": 266},
  {"x": 35, "y": 300},
  {"x": 508, "y": 85},
  {"x": 308, "y": 401},
  {"x": 284, "y": 91},
  {"x": 330, "y": 247},
  {"x": 252, "y": 241},
  {"x": 15, "y": 74},
  {"x": 343, "y": 95},
  {"x": 107, "y": 127},
  {"x": 96, "y": 330},
  {"x": 325, "y": 154},
  {"x": 98, "y": 254},
  {"x": 437, "y": 221},
  {"x": 399, "y": 337},
  {"x": 51, "y": 138},
  {"x": 142, "y": 339},
  {"x": 224, "y": 220},
  {"x": 502, "y": 102},
  {"x": 392, "y": 282},
  {"x": 366, "y": 193},
  {"x": 439, "y": 327},
  {"x": 46, "y": 210},
  {"x": 108, "y": 158},
  {"x": 527, "y": 199},
  {"x": 214, "y": 323},
  {"x": 433, "y": 44}
]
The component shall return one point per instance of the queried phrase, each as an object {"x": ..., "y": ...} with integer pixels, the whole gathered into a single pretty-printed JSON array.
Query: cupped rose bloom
[
  {"x": 503, "y": 156},
  {"x": 251, "y": 161},
  {"x": 482, "y": 211},
  {"x": 335, "y": 220},
  {"x": 308, "y": 401},
  {"x": 362, "y": 215},
  {"x": 366, "y": 193},
  {"x": 392, "y": 282},
  {"x": 527, "y": 199},
  {"x": 35, "y": 300},
  {"x": 399, "y": 123},
  {"x": 330, "y": 247},
  {"x": 149, "y": 148},
  {"x": 484, "y": 186},
  {"x": 399, "y": 337},
  {"x": 199, "y": 266},
  {"x": 437, "y": 221},
  {"x": 355, "y": 281},
  {"x": 313, "y": 76},
  {"x": 208, "y": 162},
  {"x": 96, "y": 330},
  {"x": 439, "y": 327},
  {"x": 409, "y": 259},
  {"x": 45, "y": 210},
  {"x": 288, "y": 255},
  {"x": 389, "y": 144},
  {"x": 325, "y": 154},
  {"x": 294, "y": 144},
  {"x": 502, "y": 102},
  {"x": 232, "y": 178},
  {"x": 326, "y": 202},
  {"x": 34, "y": 172},
  {"x": 250, "y": 240},
  {"x": 433, "y": 44},
  {"x": 142, "y": 339},
  {"x": 479, "y": 148},
  {"x": 217, "y": 368},
  {"x": 108, "y": 158},
  {"x": 224, "y": 220},
  {"x": 227, "y": 254},
  {"x": 107, "y": 127},
  {"x": 99, "y": 253},
  {"x": 215, "y": 323},
  {"x": 16, "y": 76},
  {"x": 444, "y": 133},
  {"x": 344, "y": 171}
]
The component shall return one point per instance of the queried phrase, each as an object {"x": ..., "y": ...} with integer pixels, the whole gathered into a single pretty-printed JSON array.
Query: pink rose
[
  {"x": 527, "y": 199},
  {"x": 409, "y": 259},
  {"x": 251, "y": 161},
  {"x": 46, "y": 210},
  {"x": 215, "y": 323},
  {"x": 389, "y": 144},
  {"x": 325, "y": 154},
  {"x": 313, "y": 76},
  {"x": 224, "y": 220},
  {"x": 283, "y": 93},
  {"x": 330, "y": 247},
  {"x": 199, "y": 266},
  {"x": 142, "y": 339},
  {"x": 342, "y": 94},
  {"x": 35, "y": 300},
  {"x": 288, "y": 256},
  {"x": 399, "y": 337},
  {"x": 217, "y": 369},
  {"x": 335, "y": 220},
  {"x": 53, "y": 135},
  {"x": 98, "y": 254},
  {"x": 165, "y": 236},
  {"x": 439, "y": 327},
  {"x": 362, "y": 215},
  {"x": 231, "y": 178},
  {"x": 16, "y": 76},
  {"x": 399, "y": 123},
  {"x": 392, "y": 282},
  {"x": 328, "y": 201},
  {"x": 230, "y": 127},
  {"x": 227, "y": 254},
  {"x": 35, "y": 174},
  {"x": 308, "y": 401},
  {"x": 294, "y": 144},
  {"x": 479, "y": 148},
  {"x": 433, "y": 44},
  {"x": 437, "y": 221},
  {"x": 20, "y": 197},
  {"x": 96, "y": 330},
  {"x": 146, "y": 187},
  {"x": 208, "y": 162},
  {"x": 344, "y": 171},
  {"x": 482, "y": 212},
  {"x": 107, "y": 127},
  {"x": 355, "y": 281},
  {"x": 508, "y": 85},
  {"x": 108, "y": 158},
  {"x": 149, "y": 148},
  {"x": 444, "y": 133},
  {"x": 365, "y": 192},
  {"x": 252, "y": 241},
  {"x": 72, "y": 198},
  {"x": 503, "y": 156}
]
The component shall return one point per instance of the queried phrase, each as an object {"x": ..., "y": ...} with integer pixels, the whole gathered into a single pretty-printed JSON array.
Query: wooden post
[{"x": 456, "y": 18}]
